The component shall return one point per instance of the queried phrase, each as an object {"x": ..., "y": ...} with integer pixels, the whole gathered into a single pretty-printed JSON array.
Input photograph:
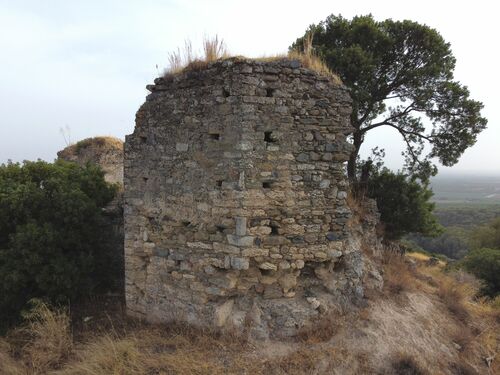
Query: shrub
[
  {"x": 54, "y": 243},
  {"x": 487, "y": 236},
  {"x": 403, "y": 203},
  {"x": 485, "y": 264}
]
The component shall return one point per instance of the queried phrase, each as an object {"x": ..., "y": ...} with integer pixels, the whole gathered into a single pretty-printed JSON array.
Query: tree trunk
[{"x": 351, "y": 164}]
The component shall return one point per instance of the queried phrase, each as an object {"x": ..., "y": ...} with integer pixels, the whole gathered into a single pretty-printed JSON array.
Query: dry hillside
[{"x": 424, "y": 321}]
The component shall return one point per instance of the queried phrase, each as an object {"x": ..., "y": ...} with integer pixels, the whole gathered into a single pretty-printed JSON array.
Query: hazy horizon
[{"x": 85, "y": 65}]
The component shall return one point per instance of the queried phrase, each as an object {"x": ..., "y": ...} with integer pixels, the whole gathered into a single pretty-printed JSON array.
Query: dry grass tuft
[
  {"x": 302, "y": 361},
  {"x": 477, "y": 330},
  {"x": 456, "y": 295},
  {"x": 43, "y": 343},
  {"x": 397, "y": 275},
  {"x": 215, "y": 49},
  {"x": 355, "y": 203},
  {"x": 108, "y": 355},
  {"x": 462, "y": 369},
  {"x": 50, "y": 340},
  {"x": 321, "y": 331},
  {"x": 8, "y": 365},
  {"x": 187, "y": 60},
  {"x": 404, "y": 364},
  {"x": 310, "y": 59}
]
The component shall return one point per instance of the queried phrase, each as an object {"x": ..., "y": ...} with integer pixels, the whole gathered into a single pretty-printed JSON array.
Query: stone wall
[
  {"x": 235, "y": 199},
  {"x": 107, "y": 152}
]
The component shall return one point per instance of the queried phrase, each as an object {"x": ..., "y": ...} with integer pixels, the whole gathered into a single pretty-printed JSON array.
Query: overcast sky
[{"x": 85, "y": 64}]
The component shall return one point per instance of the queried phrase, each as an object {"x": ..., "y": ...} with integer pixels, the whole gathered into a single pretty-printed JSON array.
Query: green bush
[
  {"x": 487, "y": 235},
  {"x": 485, "y": 264},
  {"x": 54, "y": 243},
  {"x": 403, "y": 203}
]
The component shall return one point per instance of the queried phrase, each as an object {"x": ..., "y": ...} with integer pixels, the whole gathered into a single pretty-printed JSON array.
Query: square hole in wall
[
  {"x": 214, "y": 136},
  {"x": 143, "y": 139},
  {"x": 225, "y": 92},
  {"x": 269, "y": 92},
  {"x": 267, "y": 184},
  {"x": 220, "y": 228},
  {"x": 274, "y": 229},
  {"x": 269, "y": 137},
  {"x": 219, "y": 183}
]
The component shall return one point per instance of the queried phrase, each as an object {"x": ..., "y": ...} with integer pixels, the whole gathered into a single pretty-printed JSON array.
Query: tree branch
[
  {"x": 410, "y": 149},
  {"x": 428, "y": 138}
]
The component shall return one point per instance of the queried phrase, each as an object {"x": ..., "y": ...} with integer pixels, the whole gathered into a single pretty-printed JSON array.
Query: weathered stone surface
[
  {"x": 235, "y": 198},
  {"x": 239, "y": 263},
  {"x": 106, "y": 152},
  {"x": 242, "y": 241}
]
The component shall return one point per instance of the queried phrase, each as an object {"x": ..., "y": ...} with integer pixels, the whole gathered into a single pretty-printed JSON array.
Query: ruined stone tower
[{"x": 235, "y": 199}]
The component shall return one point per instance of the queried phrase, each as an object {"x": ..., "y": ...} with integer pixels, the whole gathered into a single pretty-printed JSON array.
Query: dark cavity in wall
[
  {"x": 268, "y": 137},
  {"x": 274, "y": 229},
  {"x": 215, "y": 136},
  {"x": 269, "y": 92},
  {"x": 267, "y": 184}
]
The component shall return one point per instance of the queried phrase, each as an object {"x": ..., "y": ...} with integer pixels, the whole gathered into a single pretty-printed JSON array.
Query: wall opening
[
  {"x": 220, "y": 228},
  {"x": 274, "y": 229},
  {"x": 219, "y": 183},
  {"x": 268, "y": 137},
  {"x": 266, "y": 272},
  {"x": 143, "y": 139},
  {"x": 269, "y": 92},
  {"x": 215, "y": 136},
  {"x": 225, "y": 92},
  {"x": 267, "y": 184}
]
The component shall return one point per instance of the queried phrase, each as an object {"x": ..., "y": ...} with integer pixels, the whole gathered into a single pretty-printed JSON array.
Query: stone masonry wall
[
  {"x": 107, "y": 152},
  {"x": 235, "y": 199}
]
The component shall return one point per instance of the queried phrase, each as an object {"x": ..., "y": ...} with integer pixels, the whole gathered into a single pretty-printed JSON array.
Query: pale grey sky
[{"x": 85, "y": 64}]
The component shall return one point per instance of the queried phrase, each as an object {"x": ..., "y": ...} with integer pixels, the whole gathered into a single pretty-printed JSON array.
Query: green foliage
[
  {"x": 466, "y": 216},
  {"x": 53, "y": 240},
  {"x": 453, "y": 242},
  {"x": 403, "y": 203},
  {"x": 484, "y": 263},
  {"x": 398, "y": 73},
  {"x": 487, "y": 236}
]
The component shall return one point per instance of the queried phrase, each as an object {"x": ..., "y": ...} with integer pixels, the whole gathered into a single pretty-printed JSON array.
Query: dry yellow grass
[
  {"x": 8, "y": 365},
  {"x": 186, "y": 59},
  {"x": 403, "y": 363},
  {"x": 397, "y": 275},
  {"x": 478, "y": 329},
  {"x": 418, "y": 256},
  {"x": 411, "y": 319},
  {"x": 215, "y": 49}
]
